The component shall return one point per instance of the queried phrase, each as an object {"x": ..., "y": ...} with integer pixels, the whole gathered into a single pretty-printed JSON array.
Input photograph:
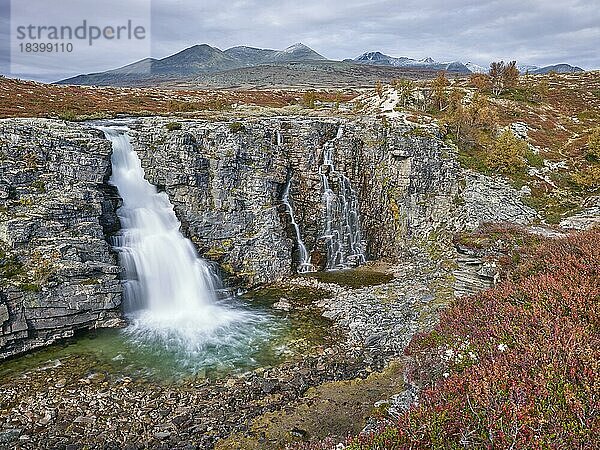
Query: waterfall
[
  {"x": 345, "y": 247},
  {"x": 169, "y": 292},
  {"x": 304, "y": 265}
]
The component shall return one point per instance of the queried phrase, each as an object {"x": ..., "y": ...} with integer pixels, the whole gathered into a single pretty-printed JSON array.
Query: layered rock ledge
[
  {"x": 59, "y": 275},
  {"x": 226, "y": 181}
]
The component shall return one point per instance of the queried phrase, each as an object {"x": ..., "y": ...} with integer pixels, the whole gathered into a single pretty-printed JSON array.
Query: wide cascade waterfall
[
  {"x": 345, "y": 247},
  {"x": 170, "y": 294}
]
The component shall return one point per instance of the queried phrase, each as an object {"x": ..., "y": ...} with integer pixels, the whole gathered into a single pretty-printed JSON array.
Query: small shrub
[
  {"x": 507, "y": 154},
  {"x": 588, "y": 179},
  {"x": 69, "y": 116},
  {"x": 172, "y": 126},
  {"x": 480, "y": 81},
  {"x": 405, "y": 89},
  {"x": 309, "y": 99},
  {"x": 379, "y": 88},
  {"x": 183, "y": 106},
  {"x": 533, "y": 159},
  {"x": 593, "y": 152},
  {"x": 237, "y": 127}
]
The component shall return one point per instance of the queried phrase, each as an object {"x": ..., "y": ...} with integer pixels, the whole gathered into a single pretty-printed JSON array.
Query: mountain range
[
  {"x": 378, "y": 58},
  {"x": 203, "y": 62}
]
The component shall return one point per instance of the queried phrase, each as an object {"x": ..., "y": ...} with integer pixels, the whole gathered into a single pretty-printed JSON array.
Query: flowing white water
[
  {"x": 345, "y": 247},
  {"x": 170, "y": 293},
  {"x": 304, "y": 265}
]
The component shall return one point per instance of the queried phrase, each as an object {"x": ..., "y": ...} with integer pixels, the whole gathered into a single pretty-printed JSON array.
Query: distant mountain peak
[
  {"x": 381, "y": 59},
  {"x": 196, "y": 48},
  {"x": 297, "y": 46},
  {"x": 372, "y": 56},
  {"x": 297, "y": 52},
  {"x": 476, "y": 68},
  {"x": 558, "y": 68}
]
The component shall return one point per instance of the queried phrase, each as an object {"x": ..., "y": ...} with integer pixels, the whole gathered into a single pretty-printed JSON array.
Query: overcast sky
[{"x": 539, "y": 32}]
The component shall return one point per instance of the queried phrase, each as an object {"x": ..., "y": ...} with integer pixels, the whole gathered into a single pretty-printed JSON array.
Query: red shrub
[{"x": 516, "y": 366}]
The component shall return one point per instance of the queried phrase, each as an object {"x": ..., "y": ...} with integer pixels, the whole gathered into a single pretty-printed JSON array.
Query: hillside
[
  {"x": 191, "y": 62},
  {"x": 306, "y": 75},
  {"x": 553, "y": 116},
  {"x": 296, "y": 66},
  {"x": 31, "y": 99}
]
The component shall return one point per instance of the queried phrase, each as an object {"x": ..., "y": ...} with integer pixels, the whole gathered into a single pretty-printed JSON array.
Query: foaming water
[{"x": 171, "y": 295}]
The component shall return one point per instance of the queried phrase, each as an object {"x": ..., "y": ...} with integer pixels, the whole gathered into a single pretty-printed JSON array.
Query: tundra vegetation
[
  {"x": 515, "y": 366},
  {"x": 539, "y": 131}
]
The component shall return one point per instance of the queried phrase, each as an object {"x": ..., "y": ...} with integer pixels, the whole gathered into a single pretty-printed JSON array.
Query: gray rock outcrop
[
  {"x": 226, "y": 182},
  {"x": 492, "y": 199},
  {"x": 58, "y": 274}
]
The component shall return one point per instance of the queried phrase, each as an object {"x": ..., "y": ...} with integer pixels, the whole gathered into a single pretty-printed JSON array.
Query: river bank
[{"x": 74, "y": 401}]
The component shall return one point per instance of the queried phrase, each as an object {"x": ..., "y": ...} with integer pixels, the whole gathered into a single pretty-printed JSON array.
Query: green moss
[
  {"x": 39, "y": 186},
  {"x": 30, "y": 287},
  {"x": 219, "y": 250},
  {"x": 334, "y": 409},
  {"x": 237, "y": 127},
  {"x": 228, "y": 268},
  {"x": 172, "y": 126},
  {"x": 10, "y": 266},
  {"x": 534, "y": 159},
  {"x": 418, "y": 132},
  {"x": 354, "y": 278},
  {"x": 473, "y": 159}
]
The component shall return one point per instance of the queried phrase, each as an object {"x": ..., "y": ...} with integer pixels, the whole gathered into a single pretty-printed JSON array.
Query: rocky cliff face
[
  {"x": 226, "y": 181},
  {"x": 58, "y": 274}
]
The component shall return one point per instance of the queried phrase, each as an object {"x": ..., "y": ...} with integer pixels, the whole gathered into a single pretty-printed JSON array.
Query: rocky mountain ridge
[
  {"x": 378, "y": 58},
  {"x": 198, "y": 61},
  {"x": 194, "y": 61}
]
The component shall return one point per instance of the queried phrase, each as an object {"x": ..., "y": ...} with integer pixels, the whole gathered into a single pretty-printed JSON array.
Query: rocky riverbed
[{"x": 76, "y": 402}]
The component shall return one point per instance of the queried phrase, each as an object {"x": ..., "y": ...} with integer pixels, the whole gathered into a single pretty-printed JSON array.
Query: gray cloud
[{"x": 532, "y": 31}]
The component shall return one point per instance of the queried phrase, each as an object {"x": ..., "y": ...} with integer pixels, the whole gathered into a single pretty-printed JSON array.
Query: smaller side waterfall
[
  {"x": 304, "y": 265},
  {"x": 345, "y": 247}
]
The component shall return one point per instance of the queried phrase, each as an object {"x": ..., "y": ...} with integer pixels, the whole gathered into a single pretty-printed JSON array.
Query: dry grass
[{"x": 20, "y": 98}]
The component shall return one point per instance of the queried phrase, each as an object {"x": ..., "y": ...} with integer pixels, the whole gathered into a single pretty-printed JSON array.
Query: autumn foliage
[{"x": 515, "y": 366}]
